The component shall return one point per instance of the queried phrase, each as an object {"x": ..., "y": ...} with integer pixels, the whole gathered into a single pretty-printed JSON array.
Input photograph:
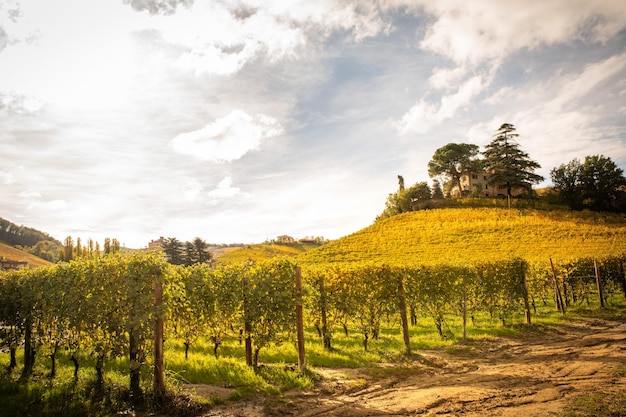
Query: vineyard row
[{"x": 120, "y": 305}]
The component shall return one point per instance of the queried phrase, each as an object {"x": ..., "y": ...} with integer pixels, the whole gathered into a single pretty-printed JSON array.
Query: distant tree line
[
  {"x": 76, "y": 249},
  {"x": 596, "y": 183},
  {"x": 186, "y": 253}
]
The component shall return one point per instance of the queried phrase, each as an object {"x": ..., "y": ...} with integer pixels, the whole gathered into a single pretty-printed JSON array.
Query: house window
[
  {"x": 486, "y": 187},
  {"x": 485, "y": 178},
  {"x": 474, "y": 176}
]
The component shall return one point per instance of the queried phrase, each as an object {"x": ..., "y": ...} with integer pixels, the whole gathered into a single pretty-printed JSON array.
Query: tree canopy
[
  {"x": 186, "y": 253},
  {"x": 596, "y": 184},
  {"x": 454, "y": 160},
  {"x": 406, "y": 199},
  {"x": 507, "y": 163}
]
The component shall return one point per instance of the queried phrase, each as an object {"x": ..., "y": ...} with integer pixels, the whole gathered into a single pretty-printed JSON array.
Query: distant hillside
[
  {"x": 259, "y": 252},
  {"x": 14, "y": 235},
  {"x": 10, "y": 253},
  {"x": 462, "y": 235}
]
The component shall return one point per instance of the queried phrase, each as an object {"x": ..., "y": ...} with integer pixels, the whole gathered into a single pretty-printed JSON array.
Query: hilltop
[{"x": 461, "y": 235}]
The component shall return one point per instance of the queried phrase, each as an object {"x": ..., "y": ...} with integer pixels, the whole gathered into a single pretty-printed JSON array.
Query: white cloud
[
  {"x": 579, "y": 85},
  {"x": 228, "y": 138},
  {"x": 478, "y": 30},
  {"x": 221, "y": 38},
  {"x": 214, "y": 41},
  {"x": 30, "y": 194},
  {"x": 443, "y": 78},
  {"x": 424, "y": 116},
  {"x": 192, "y": 189},
  {"x": 77, "y": 62},
  {"x": 19, "y": 104},
  {"x": 362, "y": 18},
  {"x": 49, "y": 206},
  {"x": 501, "y": 95},
  {"x": 7, "y": 178},
  {"x": 224, "y": 190},
  {"x": 158, "y": 6}
]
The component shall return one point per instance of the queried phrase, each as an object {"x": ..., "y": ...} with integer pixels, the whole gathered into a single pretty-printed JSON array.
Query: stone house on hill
[
  {"x": 476, "y": 181},
  {"x": 285, "y": 239},
  {"x": 157, "y": 244}
]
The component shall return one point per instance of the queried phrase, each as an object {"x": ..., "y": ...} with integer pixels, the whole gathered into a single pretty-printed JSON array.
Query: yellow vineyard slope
[
  {"x": 10, "y": 253},
  {"x": 458, "y": 236}
]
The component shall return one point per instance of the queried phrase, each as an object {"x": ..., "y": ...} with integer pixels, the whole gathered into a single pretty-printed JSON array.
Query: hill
[
  {"x": 259, "y": 252},
  {"x": 14, "y": 235},
  {"x": 9, "y": 253},
  {"x": 462, "y": 235}
]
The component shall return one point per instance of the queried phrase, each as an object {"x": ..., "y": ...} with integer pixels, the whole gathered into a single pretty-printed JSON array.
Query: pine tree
[
  {"x": 507, "y": 163},
  {"x": 174, "y": 249}
]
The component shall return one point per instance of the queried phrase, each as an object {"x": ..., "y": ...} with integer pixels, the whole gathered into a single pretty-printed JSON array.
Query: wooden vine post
[
  {"x": 133, "y": 348},
  {"x": 324, "y": 307},
  {"x": 464, "y": 306},
  {"x": 247, "y": 328},
  {"x": 525, "y": 292},
  {"x": 557, "y": 293},
  {"x": 598, "y": 283},
  {"x": 403, "y": 316},
  {"x": 300, "y": 320},
  {"x": 28, "y": 349},
  {"x": 159, "y": 371},
  {"x": 135, "y": 368},
  {"x": 622, "y": 276}
]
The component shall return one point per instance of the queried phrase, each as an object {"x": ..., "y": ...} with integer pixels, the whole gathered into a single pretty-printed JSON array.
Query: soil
[{"x": 534, "y": 375}]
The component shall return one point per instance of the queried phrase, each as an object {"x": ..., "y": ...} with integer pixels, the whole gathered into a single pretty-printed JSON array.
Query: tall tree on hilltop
[
  {"x": 507, "y": 163},
  {"x": 200, "y": 250},
  {"x": 187, "y": 253},
  {"x": 566, "y": 180},
  {"x": 174, "y": 250},
  {"x": 454, "y": 160},
  {"x": 597, "y": 184}
]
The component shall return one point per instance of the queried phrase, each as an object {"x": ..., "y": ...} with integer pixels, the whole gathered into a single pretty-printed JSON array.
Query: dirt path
[{"x": 533, "y": 376}]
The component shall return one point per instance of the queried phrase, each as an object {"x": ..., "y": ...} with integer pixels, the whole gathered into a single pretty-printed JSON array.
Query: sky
[{"x": 240, "y": 120}]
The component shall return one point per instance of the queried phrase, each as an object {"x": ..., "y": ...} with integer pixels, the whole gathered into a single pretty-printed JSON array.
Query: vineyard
[
  {"x": 264, "y": 251},
  {"x": 137, "y": 308},
  {"x": 463, "y": 235}
]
